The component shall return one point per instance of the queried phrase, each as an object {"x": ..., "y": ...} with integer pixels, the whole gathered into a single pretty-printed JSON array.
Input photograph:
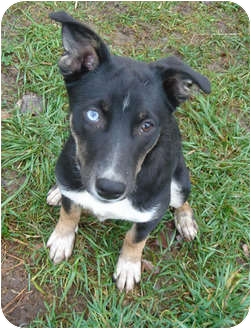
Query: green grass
[{"x": 204, "y": 283}]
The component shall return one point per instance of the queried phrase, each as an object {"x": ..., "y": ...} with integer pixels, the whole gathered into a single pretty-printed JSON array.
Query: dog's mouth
[{"x": 103, "y": 200}]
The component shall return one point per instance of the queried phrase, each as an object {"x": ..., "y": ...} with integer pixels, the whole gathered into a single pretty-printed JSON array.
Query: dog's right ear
[{"x": 84, "y": 49}]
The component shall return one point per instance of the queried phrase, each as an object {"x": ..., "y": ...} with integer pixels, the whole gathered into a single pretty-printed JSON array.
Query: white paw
[
  {"x": 186, "y": 225},
  {"x": 61, "y": 245},
  {"x": 127, "y": 273},
  {"x": 54, "y": 196}
]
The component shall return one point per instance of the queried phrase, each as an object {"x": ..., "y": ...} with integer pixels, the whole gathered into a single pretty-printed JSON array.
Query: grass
[{"x": 200, "y": 284}]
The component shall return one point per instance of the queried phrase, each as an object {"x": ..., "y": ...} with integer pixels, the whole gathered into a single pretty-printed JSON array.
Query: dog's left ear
[
  {"x": 178, "y": 79},
  {"x": 84, "y": 49}
]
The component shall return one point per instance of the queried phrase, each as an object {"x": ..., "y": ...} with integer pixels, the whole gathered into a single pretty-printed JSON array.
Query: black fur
[
  {"x": 181, "y": 175},
  {"x": 66, "y": 204}
]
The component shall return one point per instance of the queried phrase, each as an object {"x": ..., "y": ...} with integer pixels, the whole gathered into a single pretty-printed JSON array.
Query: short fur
[{"x": 123, "y": 158}]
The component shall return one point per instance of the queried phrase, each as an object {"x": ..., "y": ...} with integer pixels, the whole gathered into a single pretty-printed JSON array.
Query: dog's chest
[{"x": 123, "y": 209}]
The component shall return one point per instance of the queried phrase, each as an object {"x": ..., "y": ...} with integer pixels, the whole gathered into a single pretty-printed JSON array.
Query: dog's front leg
[
  {"x": 62, "y": 238},
  {"x": 183, "y": 215},
  {"x": 128, "y": 268}
]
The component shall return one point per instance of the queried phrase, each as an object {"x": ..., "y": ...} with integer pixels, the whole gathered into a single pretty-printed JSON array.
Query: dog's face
[
  {"x": 116, "y": 121},
  {"x": 120, "y": 108}
]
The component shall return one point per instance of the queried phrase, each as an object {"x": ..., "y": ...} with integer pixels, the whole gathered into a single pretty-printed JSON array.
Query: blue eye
[{"x": 93, "y": 115}]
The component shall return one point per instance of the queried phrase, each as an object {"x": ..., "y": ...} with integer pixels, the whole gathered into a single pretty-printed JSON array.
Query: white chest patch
[{"x": 111, "y": 210}]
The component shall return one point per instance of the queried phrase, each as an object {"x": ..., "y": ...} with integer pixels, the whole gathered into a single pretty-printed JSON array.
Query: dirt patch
[
  {"x": 242, "y": 117},
  {"x": 21, "y": 302},
  {"x": 11, "y": 181},
  {"x": 122, "y": 39},
  {"x": 9, "y": 87},
  {"x": 184, "y": 8}
]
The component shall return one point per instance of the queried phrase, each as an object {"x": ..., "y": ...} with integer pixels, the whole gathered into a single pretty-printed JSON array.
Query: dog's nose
[{"x": 108, "y": 189}]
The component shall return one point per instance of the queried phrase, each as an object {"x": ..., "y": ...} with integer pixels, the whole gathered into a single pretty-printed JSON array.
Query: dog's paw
[
  {"x": 61, "y": 245},
  {"x": 127, "y": 273},
  {"x": 186, "y": 225},
  {"x": 54, "y": 196}
]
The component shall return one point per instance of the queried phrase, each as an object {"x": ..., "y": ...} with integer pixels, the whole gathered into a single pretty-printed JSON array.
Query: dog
[{"x": 123, "y": 158}]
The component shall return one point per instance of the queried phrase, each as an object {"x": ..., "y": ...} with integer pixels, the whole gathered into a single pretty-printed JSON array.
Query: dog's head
[{"x": 120, "y": 108}]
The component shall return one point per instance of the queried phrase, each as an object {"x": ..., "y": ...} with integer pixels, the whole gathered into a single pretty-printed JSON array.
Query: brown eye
[{"x": 146, "y": 126}]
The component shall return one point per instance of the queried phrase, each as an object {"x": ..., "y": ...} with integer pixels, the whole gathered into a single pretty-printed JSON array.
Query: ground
[
  {"x": 19, "y": 301},
  {"x": 204, "y": 283}
]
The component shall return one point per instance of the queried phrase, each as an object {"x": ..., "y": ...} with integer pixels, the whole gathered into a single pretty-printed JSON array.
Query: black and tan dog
[{"x": 123, "y": 159}]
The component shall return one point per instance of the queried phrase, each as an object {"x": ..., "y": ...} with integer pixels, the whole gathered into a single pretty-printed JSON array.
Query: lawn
[{"x": 204, "y": 283}]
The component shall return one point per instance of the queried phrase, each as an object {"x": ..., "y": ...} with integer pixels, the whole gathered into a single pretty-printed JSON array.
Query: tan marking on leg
[
  {"x": 185, "y": 222},
  {"x": 128, "y": 268},
  {"x": 130, "y": 249},
  {"x": 184, "y": 208},
  {"x": 62, "y": 238},
  {"x": 69, "y": 220}
]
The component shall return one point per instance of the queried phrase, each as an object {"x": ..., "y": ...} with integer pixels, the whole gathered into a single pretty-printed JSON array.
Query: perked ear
[
  {"x": 178, "y": 79},
  {"x": 84, "y": 49}
]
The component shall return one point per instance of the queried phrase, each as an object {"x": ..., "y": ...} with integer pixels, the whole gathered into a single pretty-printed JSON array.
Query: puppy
[{"x": 123, "y": 158}]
